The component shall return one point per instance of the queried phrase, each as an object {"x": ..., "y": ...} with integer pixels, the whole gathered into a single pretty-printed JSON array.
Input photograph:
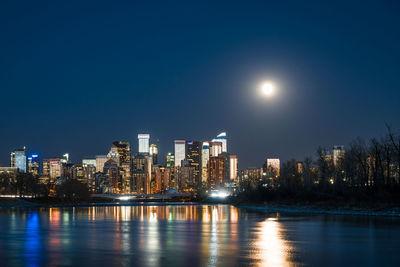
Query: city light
[{"x": 220, "y": 194}]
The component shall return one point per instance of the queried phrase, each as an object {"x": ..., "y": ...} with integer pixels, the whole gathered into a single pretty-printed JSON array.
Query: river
[{"x": 193, "y": 235}]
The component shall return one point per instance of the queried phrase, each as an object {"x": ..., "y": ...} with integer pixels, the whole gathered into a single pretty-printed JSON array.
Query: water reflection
[
  {"x": 182, "y": 235},
  {"x": 271, "y": 248}
]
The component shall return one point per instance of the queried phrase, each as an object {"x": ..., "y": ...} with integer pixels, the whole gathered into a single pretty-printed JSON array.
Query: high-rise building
[
  {"x": 111, "y": 170},
  {"x": 78, "y": 173},
  {"x": 215, "y": 149},
  {"x": 18, "y": 159},
  {"x": 193, "y": 158},
  {"x": 65, "y": 158},
  {"x": 121, "y": 153},
  {"x": 185, "y": 177},
  {"x": 143, "y": 141},
  {"x": 216, "y": 171},
  {"x": 33, "y": 164},
  {"x": 154, "y": 153},
  {"x": 89, "y": 166},
  {"x": 100, "y": 160},
  {"x": 52, "y": 168},
  {"x": 205, "y": 156},
  {"x": 141, "y": 173},
  {"x": 161, "y": 179},
  {"x": 170, "y": 164},
  {"x": 180, "y": 152},
  {"x": 272, "y": 167},
  {"x": 233, "y": 166},
  {"x": 223, "y": 140}
]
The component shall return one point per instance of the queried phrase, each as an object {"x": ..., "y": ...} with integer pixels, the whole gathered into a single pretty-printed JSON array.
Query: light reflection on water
[{"x": 197, "y": 235}]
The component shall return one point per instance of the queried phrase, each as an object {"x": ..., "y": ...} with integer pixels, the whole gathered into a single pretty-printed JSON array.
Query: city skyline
[{"x": 93, "y": 76}]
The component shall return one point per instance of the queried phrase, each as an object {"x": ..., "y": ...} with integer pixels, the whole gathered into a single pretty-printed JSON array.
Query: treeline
[
  {"x": 28, "y": 185},
  {"x": 366, "y": 171}
]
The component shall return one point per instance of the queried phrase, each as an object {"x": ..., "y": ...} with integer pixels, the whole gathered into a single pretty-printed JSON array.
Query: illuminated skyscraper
[
  {"x": 193, "y": 157},
  {"x": 223, "y": 140},
  {"x": 180, "y": 152},
  {"x": 141, "y": 174},
  {"x": 233, "y": 166},
  {"x": 161, "y": 179},
  {"x": 143, "y": 141},
  {"x": 170, "y": 163},
  {"x": 154, "y": 153},
  {"x": 52, "y": 168},
  {"x": 18, "y": 159},
  {"x": 111, "y": 170},
  {"x": 33, "y": 164},
  {"x": 89, "y": 166},
  {"x": 215, "y": 149},
  {"x": 205, "y": 156},
  {"x": 65, "y": 158},
  {"x": 216, "y": 171},
  {"x": 120, "y": 152},
  {"x": 272, "y": 167},
  {"x": 100, "y": 160}
]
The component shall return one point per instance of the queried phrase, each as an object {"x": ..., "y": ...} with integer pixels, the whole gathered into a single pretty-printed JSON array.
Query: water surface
[{"x": 193, "y": 235}]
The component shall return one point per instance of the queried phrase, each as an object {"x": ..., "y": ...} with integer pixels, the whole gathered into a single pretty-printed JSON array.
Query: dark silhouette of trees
[
  {"x": 367, "y": 170},
  {"x": 72, "y": 190}
]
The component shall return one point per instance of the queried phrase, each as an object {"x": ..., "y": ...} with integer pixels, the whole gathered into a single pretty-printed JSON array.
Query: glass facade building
[
  {"x": 18, "y": 159},
  {"x": 180, "y": 152},
  {"x": 143, "y": 143},
  {"x": 223, "y": 140}
]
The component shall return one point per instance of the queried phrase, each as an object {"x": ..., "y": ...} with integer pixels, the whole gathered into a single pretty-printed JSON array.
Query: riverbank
[
  {"x": 324, "y": 208},
  {"x": 7, "y": 203},
  {"x": 281, "y": 207}
]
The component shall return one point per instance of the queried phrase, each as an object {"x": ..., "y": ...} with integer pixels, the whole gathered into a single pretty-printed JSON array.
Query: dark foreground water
[{"x": 193, "y": 235}]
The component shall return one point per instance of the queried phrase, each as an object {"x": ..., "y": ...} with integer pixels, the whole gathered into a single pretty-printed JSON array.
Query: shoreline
[
  {"x": 264, "y": 207},
  {"x": 317, "y": 210}
]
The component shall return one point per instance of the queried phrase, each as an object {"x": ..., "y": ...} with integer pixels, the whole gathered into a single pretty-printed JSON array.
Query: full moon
[{"x": 267, "y": 89}]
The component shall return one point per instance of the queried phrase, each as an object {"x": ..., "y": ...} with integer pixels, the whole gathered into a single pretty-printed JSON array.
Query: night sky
[{"x": 76, "y": 76}]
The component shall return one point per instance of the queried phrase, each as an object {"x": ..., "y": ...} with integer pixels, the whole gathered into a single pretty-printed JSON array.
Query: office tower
[
  {"x": 205, "y": 156},
  {"x": 154, "y": 153},
  {"x": 18, "y": 159},
  {"x": 78, "y": 173},
  {"x": 233, "y": 166},
  {"x": 65, "y": 158},
  {"x": 215, "y": 149},
  {"x": 33, "y": 164},
  {"x": 121, "y": 153},
  {"x": 337, "y": 154},
  {"x": 193, "y": 158},
  {"x": 223, "y": 140},
  {"x": 100, "y": 160},
  {"x": 272, "y": 167},
  {"x": 52, "y": 168},
  {"x": 141, "y": 173},
  {"x": 86, "y": 162},
  {"x": 89, "y": 166},
  {"x": 185, "y": 177},
  {"x": 170, "y": 163},
  {"x": 216, "y": 171},
  {"x": 111, "y": 170},
  {"x": 161, "y": 179},
  {"x": 251, "y": 174},
  {"x": 143, "y": 141},
  {"x": 179, "y": 152}
]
